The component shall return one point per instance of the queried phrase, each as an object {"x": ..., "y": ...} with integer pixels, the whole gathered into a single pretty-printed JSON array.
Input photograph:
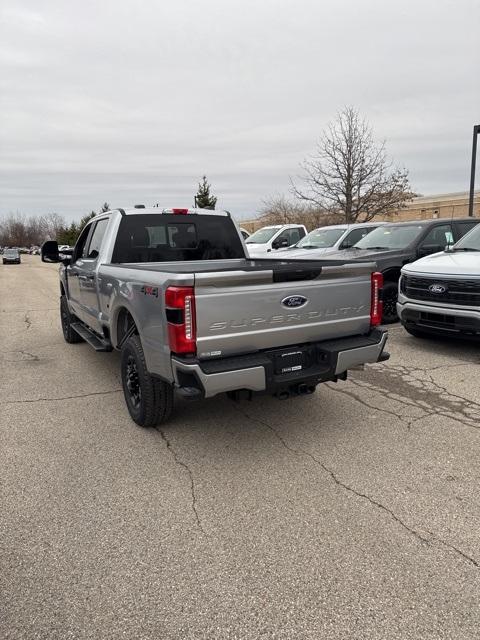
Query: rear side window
[
  {"x": 464, "y": 227},
  {"x": 167, "y": 238}
]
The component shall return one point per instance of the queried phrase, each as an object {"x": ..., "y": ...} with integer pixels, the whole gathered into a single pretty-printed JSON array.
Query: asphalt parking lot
[{"x": 351, "y": 513}]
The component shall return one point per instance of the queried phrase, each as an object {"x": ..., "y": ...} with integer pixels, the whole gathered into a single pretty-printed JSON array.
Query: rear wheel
[
  {"x": 390, "y": 296},
  {"x": 149, "y": 401},
  {"x": 70, "y": 335}
]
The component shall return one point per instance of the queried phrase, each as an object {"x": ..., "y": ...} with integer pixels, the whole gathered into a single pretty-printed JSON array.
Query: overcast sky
[{"x": 132, "y": 102}]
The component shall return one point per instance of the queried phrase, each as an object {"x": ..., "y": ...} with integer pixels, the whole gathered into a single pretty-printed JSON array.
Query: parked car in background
[
  {"x": 274, "y": 237},
  {"x": 326, "y": 240},
  {"x": 394, "y": 245},
  {"x": 440, "y": 294},
  {"x": 11, "y": 256}
]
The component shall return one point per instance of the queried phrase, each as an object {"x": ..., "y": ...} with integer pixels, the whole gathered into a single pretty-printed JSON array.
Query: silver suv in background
[
  {"x": 11, "y": 256},
  {"x": 335, "y": 237},
  {"x": 440, "y": 294}
]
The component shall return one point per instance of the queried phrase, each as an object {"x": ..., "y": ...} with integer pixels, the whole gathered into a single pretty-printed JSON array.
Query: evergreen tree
[{"x": 203, "y": 199}]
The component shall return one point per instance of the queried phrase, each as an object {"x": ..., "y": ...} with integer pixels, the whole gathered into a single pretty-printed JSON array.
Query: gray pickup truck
[{"x": 175, "y": 291}]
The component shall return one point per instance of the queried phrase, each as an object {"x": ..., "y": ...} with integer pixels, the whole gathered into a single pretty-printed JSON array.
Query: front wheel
[
  {"x": 390, "y": 297},
  {"x": 149, "y": 401},
  {"x": 70, "y": 335}
]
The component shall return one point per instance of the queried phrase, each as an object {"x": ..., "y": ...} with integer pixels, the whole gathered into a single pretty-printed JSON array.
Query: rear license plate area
[{"x": 289, "y": 361}]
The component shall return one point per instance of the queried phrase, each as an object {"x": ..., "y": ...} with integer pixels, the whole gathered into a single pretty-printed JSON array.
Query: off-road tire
[
  {"x": 149, "y": 400},
  {"x": 66, "y": 318},
  {"x": 390, "y": 297}
]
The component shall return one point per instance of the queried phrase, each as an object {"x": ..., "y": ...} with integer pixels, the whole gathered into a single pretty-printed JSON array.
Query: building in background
[{"x": 445, "y": 205}]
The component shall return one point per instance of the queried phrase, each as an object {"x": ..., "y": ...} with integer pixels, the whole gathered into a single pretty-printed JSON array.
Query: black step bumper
[{"x": 279, "y": 371}]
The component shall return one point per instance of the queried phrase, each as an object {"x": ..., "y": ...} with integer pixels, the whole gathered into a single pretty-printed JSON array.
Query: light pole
[{"x": 476, "y": 131}]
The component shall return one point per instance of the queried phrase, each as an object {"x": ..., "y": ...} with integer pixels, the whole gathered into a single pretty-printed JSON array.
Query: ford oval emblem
[
  {"x": 292, "y": 302},
  {"x": 437, "y": 288}
]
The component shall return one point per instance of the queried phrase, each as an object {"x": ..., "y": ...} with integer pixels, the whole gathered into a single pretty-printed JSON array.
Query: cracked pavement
[{"x": 351, "y": 513}]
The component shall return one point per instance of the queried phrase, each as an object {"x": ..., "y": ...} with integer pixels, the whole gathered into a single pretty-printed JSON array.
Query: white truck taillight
[
  {"x": 376, "y": 307},
  {"x": 180, "y": 310}
]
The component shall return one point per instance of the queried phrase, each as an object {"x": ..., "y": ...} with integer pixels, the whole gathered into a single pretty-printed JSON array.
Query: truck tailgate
[{"x": 245, "y": 311}]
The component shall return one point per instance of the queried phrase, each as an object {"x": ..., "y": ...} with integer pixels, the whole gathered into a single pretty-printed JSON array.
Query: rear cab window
[{"x": 168, "y": 238}]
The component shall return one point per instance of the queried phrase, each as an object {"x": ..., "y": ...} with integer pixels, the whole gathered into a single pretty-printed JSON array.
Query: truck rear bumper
[{"x": 279, "y": 371}]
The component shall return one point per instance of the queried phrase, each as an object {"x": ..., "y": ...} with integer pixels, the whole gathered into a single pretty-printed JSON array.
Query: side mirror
[{"x": 50, "y": 252}]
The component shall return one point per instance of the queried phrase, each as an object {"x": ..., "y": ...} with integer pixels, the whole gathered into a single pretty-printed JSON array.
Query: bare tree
[
  {"x": 52, "y": 225},
  {"x": 18, "y": 231},
  {"x": 280, "y": 210},
  {"x": 350, "y": 174}
]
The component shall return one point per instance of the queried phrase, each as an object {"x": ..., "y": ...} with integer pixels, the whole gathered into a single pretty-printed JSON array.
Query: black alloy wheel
[
  {"x": 132, "y": 383},
  {"x": 149, "y": 400}
]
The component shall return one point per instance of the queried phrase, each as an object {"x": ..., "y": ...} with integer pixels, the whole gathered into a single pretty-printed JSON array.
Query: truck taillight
[
  {"x": 180, "y": 310},
  {"x": 376, "y": 307}
]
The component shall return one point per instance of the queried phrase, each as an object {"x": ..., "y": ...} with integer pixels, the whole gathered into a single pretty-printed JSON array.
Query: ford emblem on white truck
[
  {"x": 294, "y": 302},
  {"x": 437, "y": 288}
]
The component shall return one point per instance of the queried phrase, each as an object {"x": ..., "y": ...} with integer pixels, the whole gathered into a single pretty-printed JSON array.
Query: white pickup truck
[
  {"x": 440, "y": 294},
  {"x": 176, "y": 293},
  {"x": 268, "y": 240}
]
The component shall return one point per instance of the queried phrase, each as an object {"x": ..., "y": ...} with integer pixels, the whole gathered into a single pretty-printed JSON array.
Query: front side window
[
  {"x": 354, "y": 236},
  {"x": 96, "y": 239},
  {"x": 287, "y": 238},
  {"x": 80, "y": 250},
  {"x": 438, "y": 237}
]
